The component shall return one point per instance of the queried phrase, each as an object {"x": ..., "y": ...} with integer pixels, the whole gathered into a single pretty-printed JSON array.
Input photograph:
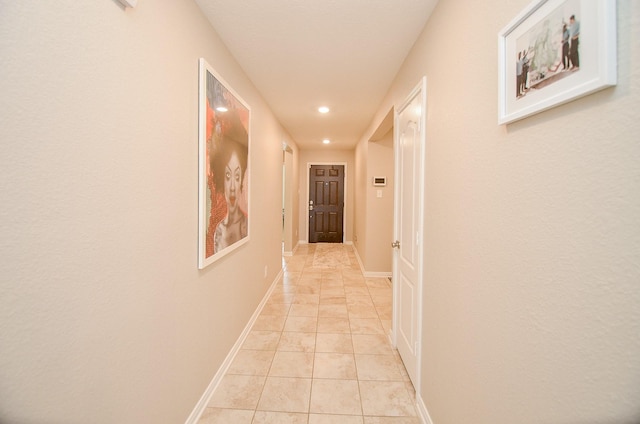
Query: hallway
[{"x": 319, "y": 352}]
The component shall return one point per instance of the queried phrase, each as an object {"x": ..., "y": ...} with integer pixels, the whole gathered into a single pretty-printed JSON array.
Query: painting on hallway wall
[
  {"x": 555, "y": 51},
  {"x": 223, "y": 168}
]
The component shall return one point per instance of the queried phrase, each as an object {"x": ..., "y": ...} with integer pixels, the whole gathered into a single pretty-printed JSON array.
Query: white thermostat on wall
[{"x": 379, "y": 181}]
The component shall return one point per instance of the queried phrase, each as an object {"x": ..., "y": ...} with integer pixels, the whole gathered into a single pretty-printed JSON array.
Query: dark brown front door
[{"x": 326, "y": 203}]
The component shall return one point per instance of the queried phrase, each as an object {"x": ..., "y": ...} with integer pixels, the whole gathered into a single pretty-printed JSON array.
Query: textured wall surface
[
  {"x": 532, "y": 250},
  {"x": 373, "y": 215},
  {"x": 360, "y": 236},
  {"x": 104, "y": 315},
  {"x": 379, "y": 209}
]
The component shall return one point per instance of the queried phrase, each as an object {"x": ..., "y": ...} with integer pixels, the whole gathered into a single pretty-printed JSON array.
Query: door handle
[{"x": 396, "y": 244}]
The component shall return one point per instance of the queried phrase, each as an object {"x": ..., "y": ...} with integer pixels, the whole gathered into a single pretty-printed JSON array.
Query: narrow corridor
[{"x": 319, "y": 353}]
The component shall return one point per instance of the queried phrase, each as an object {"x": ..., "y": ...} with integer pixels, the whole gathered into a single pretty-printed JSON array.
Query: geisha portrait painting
[{"x": 223, "y": 168}]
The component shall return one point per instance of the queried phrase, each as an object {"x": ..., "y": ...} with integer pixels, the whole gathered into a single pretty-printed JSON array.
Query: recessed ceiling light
[
  {"x": 326, "y": 141},
  {"x": 323, "y": 109},
  {"x": 222, "y": 109}
]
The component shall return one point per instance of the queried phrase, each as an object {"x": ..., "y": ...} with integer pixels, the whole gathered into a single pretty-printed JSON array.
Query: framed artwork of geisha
[{"x": 223, "y": 168}]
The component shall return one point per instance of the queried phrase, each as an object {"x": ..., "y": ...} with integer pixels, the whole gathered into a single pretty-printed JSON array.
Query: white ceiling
[{"x": 302, "y": 54}]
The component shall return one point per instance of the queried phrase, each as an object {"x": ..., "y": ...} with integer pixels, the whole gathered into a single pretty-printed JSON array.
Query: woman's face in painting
[{"x": 232, "y": 181}]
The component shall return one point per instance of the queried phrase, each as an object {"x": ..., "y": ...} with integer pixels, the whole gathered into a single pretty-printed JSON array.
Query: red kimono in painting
[
  {"x": 218, "y": 212},
  {"x": 218, "y": 203}
]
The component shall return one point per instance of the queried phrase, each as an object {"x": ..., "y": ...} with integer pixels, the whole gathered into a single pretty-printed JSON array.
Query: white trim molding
[
  {"x": 365, "y": 273},
  {"x": 200, "y": 407},
  {"x": 355, "y": 250},
  {"x": 377, "y": 274},
  {"x": 423, "y": 414},
  {"x": 293, "y": 251},
  {"x": 413, "y": 348}
]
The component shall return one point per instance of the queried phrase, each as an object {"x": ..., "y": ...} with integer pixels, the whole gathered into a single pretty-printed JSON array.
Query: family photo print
[{"x": 553, "y": 52}]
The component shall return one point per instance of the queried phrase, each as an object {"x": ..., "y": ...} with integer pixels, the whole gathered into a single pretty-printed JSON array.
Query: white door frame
[
  {"x": 422, "y": 86},
  {"x": 287, "y": 192},
  {"x": 306, "y": 203}
]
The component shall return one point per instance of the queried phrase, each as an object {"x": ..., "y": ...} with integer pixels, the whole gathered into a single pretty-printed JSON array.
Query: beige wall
[
  {"x": 373, "y": 215},
  {"x": 531, "y": 278},
  {"x": 360, "y": 235},
  {"x": 287, "y": 228},
  {"x": 292, "y": 199},
  {"x": 326, "y": 156},
  {"x": 104, "y": 315},
  {"x": 379, "y": 209}
]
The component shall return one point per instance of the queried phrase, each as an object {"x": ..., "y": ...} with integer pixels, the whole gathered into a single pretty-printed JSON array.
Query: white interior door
[{"x": 407, "y": 263}]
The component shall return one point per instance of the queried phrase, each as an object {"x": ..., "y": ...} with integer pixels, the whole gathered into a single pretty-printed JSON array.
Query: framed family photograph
[
  {"x": 553, "y": 52},
  {"x": 223, "y": 167}
]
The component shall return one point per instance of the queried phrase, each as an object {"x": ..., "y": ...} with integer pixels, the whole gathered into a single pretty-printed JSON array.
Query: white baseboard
[
  {"x": 355, "y": 250},
  {"x": 377, "y": 274},
  {"x": 423, "y": 414},
  {"x": 293, "y": 251},
  {"x": 200, "y": 407},
  {"x": 365, "y": 273},
  {"x": 307, "y": 242}
]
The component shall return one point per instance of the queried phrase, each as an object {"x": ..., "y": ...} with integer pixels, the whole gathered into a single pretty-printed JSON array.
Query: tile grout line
[{"x": 365, "y": 325}]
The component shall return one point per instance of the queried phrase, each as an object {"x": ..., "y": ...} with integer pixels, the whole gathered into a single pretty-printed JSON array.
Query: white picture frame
[
  {"x": 224, "y": 122},
  {"x": 535, "y": 41}
]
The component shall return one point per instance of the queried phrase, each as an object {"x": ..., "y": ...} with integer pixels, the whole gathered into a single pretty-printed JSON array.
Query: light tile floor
[{"x": 319, "y": 352}]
